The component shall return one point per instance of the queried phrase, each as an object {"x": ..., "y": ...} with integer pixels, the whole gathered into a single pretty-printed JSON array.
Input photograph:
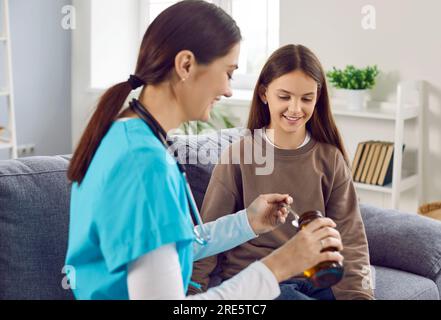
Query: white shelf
[
  {"x": 4, "y": 93},
  {"x": 378, "y": 110},
  {"x": 397, "y": 112},
  {"x": 4, "y": 145},
  {"x": 3, "y": 39},
  {"x": 375, "y": 110},
  {"x": 406, "y": 183}
]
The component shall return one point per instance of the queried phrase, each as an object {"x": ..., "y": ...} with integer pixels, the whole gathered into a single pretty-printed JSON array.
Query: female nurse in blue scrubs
[{"x": 134, "y": 228}]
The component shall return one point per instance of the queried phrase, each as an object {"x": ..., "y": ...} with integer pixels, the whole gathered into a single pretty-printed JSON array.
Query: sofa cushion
[
  {"x": 34, "y": 213},
  {"x": 34, "y": 207},
  {"x": 404, "y": 241},
  {"x": 393, "y": 284},
  {"x": 200, "y": 153}
]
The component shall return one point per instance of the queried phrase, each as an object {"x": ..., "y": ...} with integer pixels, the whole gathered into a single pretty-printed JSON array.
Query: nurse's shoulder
[{"x": 142, "y": 146}]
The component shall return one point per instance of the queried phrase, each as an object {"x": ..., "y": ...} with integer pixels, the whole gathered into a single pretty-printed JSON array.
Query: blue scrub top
[{"x": 131, "y": 201}]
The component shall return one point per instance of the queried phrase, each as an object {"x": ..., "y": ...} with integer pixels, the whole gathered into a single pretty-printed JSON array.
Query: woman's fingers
[
  {"x": 282, "y": 211},
  {"x": 276, "y": 198},
  {"x": 331, "y": 242},
  {"x": 330, "y": 256},
  {"x": 319, "y": 223},
  {"x": 282, "y": 215},
  {"x": 322, "y": 231},
  {"x": 326, "y": 232}
]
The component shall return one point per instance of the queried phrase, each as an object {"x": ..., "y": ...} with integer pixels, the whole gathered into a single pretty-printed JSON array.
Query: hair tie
[{"x": 135, "y": 82}]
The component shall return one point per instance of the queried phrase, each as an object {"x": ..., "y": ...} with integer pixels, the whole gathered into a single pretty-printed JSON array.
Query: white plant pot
[{"x": 355, "y": 99}]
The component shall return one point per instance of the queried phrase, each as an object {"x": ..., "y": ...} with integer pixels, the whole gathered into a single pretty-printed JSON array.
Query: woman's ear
[
  {"x": 262, "y": 94},
  {"x": 184, "y": 64}
]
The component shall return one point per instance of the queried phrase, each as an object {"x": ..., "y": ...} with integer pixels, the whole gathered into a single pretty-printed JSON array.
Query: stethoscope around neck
[{"x": 201, "y": 236}]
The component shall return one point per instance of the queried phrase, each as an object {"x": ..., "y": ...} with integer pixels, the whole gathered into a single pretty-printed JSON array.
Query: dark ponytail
[
  {"x": 195, "y": 25},
  {"x": 107, "y": 110}
]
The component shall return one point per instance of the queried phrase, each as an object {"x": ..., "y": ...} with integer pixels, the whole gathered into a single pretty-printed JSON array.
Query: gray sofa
[{"x": 405, "y": 249}]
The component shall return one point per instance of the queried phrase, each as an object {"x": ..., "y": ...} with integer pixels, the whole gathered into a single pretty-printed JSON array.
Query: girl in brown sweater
[{"x": 291, "y": 107}]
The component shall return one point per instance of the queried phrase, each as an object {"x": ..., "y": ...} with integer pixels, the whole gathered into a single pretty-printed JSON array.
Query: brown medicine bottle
[{"x": 327, "y": 273}]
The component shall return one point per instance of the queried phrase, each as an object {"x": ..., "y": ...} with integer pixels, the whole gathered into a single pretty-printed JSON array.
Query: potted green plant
[{"x": 355, "y": 83}]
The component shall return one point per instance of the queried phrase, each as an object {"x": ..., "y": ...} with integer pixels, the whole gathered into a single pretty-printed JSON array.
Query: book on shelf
[
  {"x": 357, "y": 158},
  {"x": 388, "y": 166},
  {"x": 368, "y": 162},
  {"x": 373, "y": 163},
  {"x": 361, "y": 163},
  {"x": 381, "y": 157}
]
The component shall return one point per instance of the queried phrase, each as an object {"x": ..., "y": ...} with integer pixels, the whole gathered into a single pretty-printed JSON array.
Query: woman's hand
[
  {"x": 305, "y": 250},
  {"x": 265, "y": 212}
]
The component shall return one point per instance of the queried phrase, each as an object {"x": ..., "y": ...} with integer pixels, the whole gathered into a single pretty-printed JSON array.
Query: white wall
[
  {"x": 83, "y": 100},
  {"x": 405, "y": 45},
  {"x": 41, "y": 54}
]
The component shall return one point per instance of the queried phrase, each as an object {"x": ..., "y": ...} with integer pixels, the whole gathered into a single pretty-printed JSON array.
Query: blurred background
[{"x": 63, "y": 54}]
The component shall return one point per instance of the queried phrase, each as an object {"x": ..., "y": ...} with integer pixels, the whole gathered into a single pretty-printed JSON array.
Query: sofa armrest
[{"x": 404, "y": 241}]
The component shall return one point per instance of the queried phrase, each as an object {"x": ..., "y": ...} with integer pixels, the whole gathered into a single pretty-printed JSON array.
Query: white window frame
[
  {"x": 92, "y": 88},
  {"x": 241, "y": 81},
  {"x": 247, "y": 81}
]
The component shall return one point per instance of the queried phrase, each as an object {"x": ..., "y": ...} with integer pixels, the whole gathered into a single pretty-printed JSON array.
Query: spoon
[{"x": 296, "y": 217}]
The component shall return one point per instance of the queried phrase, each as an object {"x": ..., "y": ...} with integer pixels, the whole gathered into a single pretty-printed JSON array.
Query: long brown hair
[
  {"x": 194, "y": 25},
  {"x": 285, "y": 60}
]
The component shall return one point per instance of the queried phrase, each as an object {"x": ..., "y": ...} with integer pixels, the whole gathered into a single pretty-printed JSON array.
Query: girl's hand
[{"x": 265, "y": 212}]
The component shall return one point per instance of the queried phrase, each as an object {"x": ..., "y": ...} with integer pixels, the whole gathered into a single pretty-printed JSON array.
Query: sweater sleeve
[
  {"x": 222, "y": 198},
  {"x": 342, "y": 206}
]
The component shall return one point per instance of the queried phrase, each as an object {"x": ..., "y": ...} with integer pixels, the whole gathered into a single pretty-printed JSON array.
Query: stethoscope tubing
[{"x": 201, "y": 235}]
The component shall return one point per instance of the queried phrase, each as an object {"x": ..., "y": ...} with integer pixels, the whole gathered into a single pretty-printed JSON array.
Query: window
[
  {"x": 114, "y": 41},
  {"x": 260, "y": 33},
  {"x": 149, "y": 10},
  {"x": 117, "y": 28}
]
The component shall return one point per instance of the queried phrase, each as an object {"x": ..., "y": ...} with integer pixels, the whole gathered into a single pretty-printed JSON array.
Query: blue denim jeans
[{"x": 302, "y": 289}]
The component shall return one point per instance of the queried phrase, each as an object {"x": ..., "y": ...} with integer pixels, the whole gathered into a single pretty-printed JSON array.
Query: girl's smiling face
[{"x": 291, "y": 101}]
